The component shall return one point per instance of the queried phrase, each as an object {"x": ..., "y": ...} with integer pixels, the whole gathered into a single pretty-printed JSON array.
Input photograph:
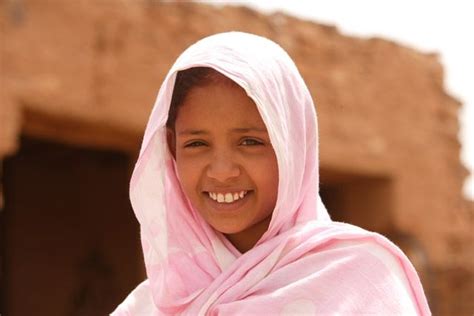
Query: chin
[{"x": 228, "y": 229}]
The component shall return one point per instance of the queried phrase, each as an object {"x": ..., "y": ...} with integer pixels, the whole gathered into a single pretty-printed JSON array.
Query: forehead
[{"x": 218, "y": 106}]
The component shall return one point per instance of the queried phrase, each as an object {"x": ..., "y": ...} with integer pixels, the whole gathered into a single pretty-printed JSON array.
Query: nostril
[{"x": 223, "y": 170}]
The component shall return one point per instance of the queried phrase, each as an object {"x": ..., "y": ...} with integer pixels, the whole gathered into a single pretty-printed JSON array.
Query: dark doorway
[
  {"x": 358, "y": 199},
  {"x": 70, "y": 239}
]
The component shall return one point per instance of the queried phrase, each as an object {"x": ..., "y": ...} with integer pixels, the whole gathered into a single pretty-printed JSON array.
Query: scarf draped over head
[{"x": 304, "y": 263}]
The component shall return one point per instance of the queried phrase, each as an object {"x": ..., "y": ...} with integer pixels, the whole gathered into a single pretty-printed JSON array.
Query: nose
[{"x": 223, "y": 167}]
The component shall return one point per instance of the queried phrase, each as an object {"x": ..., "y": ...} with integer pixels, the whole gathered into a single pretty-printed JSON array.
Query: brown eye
[
  {"x": 251, "y": 142},
  {"x": 194, "y": 144}
]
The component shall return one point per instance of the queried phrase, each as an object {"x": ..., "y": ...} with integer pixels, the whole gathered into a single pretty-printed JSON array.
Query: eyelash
[
  {"x": 255, "y": 142},
  {"x": 200, "y": 143},
  {"x": 193, "y": 144}
]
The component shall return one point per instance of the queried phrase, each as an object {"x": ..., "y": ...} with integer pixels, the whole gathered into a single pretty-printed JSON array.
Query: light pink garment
[{"x": 305, "y": 263}]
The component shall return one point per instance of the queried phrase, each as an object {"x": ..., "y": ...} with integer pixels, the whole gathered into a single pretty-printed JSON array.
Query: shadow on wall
[{"x": 71, "y": 243}]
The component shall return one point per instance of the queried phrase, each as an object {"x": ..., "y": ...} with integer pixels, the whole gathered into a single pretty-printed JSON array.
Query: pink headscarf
[{"x": 304, "y": 263}]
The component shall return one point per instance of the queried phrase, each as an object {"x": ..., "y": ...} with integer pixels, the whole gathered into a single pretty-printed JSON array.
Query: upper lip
[{"x": 225, "y": 190}]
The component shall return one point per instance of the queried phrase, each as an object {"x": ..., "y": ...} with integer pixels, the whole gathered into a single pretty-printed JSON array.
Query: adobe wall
[{"x": 88, "y": 74}]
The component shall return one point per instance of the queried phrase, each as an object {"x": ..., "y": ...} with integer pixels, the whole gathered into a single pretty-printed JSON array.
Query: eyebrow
[{"x": 241, "y": 130}]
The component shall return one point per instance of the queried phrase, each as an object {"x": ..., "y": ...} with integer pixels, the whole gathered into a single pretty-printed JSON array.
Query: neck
[{"x": 246, "y": 239}]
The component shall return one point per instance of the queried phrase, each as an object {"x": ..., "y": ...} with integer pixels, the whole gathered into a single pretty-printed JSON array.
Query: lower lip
[{"x": 227, "y": 207}]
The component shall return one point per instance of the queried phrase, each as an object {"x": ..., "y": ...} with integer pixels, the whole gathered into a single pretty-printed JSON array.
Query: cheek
[
  {"x": 272, "y": 183},
  {"x": 266, "y": 177},
  {"x": 188, "y": 174}
]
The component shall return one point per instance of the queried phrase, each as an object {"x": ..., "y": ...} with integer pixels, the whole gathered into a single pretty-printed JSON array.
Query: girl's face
[{"x": 226, "y": 164}]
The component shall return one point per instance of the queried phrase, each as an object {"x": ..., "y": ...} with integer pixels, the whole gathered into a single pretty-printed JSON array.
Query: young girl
[{"x": 226, "y": 193}]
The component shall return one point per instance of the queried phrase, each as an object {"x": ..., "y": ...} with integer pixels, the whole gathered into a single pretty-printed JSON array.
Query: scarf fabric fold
[{"x": 304, "y": 264}]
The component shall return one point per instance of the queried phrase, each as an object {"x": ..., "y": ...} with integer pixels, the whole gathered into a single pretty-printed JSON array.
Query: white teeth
[{"x": 227, "y": 197}]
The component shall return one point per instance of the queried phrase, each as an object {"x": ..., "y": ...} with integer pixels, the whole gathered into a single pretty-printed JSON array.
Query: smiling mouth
[
  {"x": 230, "y": 201},
  {"x": 229, "y": 197}
]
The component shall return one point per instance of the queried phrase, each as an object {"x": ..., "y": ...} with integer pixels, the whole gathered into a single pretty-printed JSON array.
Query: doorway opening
[
  {"x": 358, "y": 199},
  {"x": 70, "y": 239}
]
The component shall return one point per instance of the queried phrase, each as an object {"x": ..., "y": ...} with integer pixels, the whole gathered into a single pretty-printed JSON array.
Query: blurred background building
[{"x": 78, "y": 80}]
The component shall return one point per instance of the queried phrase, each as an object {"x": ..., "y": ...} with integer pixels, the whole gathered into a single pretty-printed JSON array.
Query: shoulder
[
  {"x": 360, "y": 271},
  {"x": 369, "y": 269}
]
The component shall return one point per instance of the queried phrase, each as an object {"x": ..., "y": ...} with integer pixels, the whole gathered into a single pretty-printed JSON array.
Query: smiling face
[{"x": 225, "y": 161}]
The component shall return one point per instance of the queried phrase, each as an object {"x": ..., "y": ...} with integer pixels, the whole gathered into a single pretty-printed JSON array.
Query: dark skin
[{"x": 232, "y": 154}]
